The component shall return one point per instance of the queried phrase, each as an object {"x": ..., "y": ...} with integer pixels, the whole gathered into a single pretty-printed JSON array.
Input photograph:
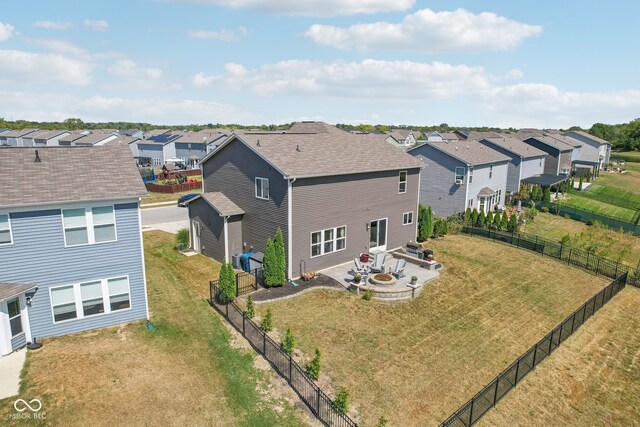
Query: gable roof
[
  {"x": 221, "y": 203},
  {"x": 198, "y": 137},
  {"x": 94, "y": 138},
  {"x": 516, "y": 146},
  {"x": 469, "y": 151},
  {"x": 314, "y": 127},
  {"x": 47, "y": 134},
  {"x": 476, "y": 135},
  {"x": 17, "y": 133},
  {"x": 73, "y": 136},
  {"x": 553, "y": 142},
  {"x": 306, "y": 155},
  {"x": 11, "y": 290},
  {"x": 588, "y": 136},
  {"x": 68, "y": 174},
  {"x": 120, "y": 140}
]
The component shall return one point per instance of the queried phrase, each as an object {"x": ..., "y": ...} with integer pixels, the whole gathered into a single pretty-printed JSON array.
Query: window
[
  {"x": 490, "y": 171},
  {"x": 459, "y": 175},
  {"x": 15, "y": 317},
  {"x": 90, "y": 298},
  {"x": 540, "y": 164},
  {"x": 482, "y": 204},
  {"x": 407, "y": 218},
  {"x": 470, "y": 203},
  {"x": 328, "y": 241},
  {"x": 262, "y": 188},
  {"x": 87, "y": 226},
  {"x": 104, "y": 224},
  {"x": 5, "y": 230},
  {"x": 470, "y": 174},
  {"x": 156, "y": 162},
  {"x": 402, "y": 185},
  {"x": 75, "y": 227}
]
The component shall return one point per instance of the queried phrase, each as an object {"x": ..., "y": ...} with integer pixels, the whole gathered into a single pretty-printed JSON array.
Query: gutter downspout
[
  {"x": 226, "y": 239},
  {"x": 289, "y": 227},
  {"x": 466, "y": 191}
]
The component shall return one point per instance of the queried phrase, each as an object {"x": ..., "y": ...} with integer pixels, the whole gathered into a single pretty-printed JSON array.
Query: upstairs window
[
  {"x": 490, "y": 171},
  {"x": 459, "y": 175},
  {"x": 104, "y": 224},
  {"x": 5, "y": 230},
  {"x": 402, "y": 184},
  {"x": 262, "y": 188},
  {"x": 470, "y": 174},
  {"x": 88, "y": 226},
  {"x": 75, "y": 227}
]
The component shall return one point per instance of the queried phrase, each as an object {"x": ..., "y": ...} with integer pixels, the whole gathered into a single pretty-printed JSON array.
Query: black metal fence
[
  {"x": 487, "y": 398},
  {"x": 598, "y": 265},
  {"x": 612, "y": 200},
  {"x": 319, "y": 403},
  {"x": 248, "y": 281}
]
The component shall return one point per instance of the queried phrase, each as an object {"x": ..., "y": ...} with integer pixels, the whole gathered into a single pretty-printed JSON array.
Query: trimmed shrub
[
  {"x": 425, "y": 222},
  {"x": 474, "y": 216},
  {"x": 342, "y": 400},
  {"x": 497, "y": 220},
  {"x": 250, "y": 312},
  {"x": 481, "y": 219},
  {"x": 227, "y": 283},
  {"x": 269, "y": 265},
  {"x": 489, "y": 219},
  {"x": 504, "y": 221},
  {"x": 313, "y": 368},
  {"x": 547, "y": 195},
  {"x": 367, "y": 295},
  {"x": 182, "y": 238},
  {"x": 467, "y": 215},
  {"x": 267, "y": 321},
  {"x": 544, "y": 209},
  {"x": 280, "y": 272},
  {"x": 580, "y": 183},
  {"x": 288, "y": 342},
  {"x": 513, "y": 223}
]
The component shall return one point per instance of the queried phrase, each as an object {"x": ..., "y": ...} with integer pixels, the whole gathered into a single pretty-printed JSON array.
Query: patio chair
[
  {"x": 359, "y": 267},
  {"x": 398, "y": 269},
  {"x": 378, "y": 263}
]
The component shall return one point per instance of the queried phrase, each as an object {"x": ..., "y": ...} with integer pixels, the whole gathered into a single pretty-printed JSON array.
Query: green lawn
[
  {"x": 629, "y": 156},
  {"x": 585, "y": 202},
  {"x": 184, "y": 373},
  {"x": 612, "y": 195},
  {"x": 164, "y": 197}
]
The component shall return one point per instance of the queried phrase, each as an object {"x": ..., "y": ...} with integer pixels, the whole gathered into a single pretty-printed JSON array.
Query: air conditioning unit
[{"x": 458, "y": 181}]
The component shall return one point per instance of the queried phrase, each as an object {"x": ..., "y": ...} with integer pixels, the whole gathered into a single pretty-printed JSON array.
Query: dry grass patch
[
  {"x": 593, "y": 379},
  {"x": 416, "y": 362}
]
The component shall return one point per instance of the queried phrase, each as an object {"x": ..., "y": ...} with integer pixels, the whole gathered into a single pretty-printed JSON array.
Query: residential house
[
  {"x": 156, "y": 148},
  {"x": 133, "y": 133},
  {"x": 460, "y": 175},
  {"x": 476, "y": 135},
  {"x": 44, "y": 138},
  {"x": 191, "y": 147},
  {"x": 559, "y": 153},
  {"x": 525, "y": 160},
  {"x": 439, "y": 136},
  {"x": 403, "y": 137},
  {"x": 595, "y": 151},
  {"x": 15, "y": 137},
  {"x": 72, "y": 138},
  {"x": 333, "y": 197},
  {"x": 98, "y": 137},
  {"x": 71, "y": 251}
]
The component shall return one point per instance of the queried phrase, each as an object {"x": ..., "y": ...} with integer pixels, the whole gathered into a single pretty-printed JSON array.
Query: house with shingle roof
[
  {"x": 525, "y": 160},
  {"x": 15, "y": 137},
  {"x": 460, "y": 175},
  {"x": 403, "y": 137},
  {"x": 439, "y": 136},
  {"x": 595, "y": 151},
  {"x": 333, "y": 194},
  {"x": 560, "y": 152},
  {"x": 44, "y": 138},
  {"x": 70, "y": 241}
]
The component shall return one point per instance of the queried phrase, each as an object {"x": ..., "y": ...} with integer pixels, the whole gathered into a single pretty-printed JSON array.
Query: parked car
[{"x": 186, "y": 197}]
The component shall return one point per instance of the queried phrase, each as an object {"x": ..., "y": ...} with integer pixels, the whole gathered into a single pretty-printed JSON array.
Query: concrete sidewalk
[{"x": 10, "y": 368}]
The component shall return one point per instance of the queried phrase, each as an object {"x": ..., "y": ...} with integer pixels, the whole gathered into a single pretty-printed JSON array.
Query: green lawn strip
[
  {"x": 612, "y": 195},
  {"x": 580, "y": 201},
  {"x": 629, "y": 156},
  {"x": 198, "y": 322}
]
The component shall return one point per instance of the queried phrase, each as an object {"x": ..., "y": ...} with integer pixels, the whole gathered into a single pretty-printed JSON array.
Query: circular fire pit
[{"x": 383, "y": 279}]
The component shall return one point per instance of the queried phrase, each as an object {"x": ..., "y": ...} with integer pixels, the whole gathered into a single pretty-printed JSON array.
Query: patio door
[
  {"x": 378, "y": 235},
  {"x": 195, "y": 236}
]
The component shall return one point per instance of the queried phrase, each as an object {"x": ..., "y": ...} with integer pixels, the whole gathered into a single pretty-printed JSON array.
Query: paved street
[{"x": 168, "y": 218}]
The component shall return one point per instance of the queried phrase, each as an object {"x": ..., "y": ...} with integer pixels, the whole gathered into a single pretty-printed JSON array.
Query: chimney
[{"x": 37, "y": 159}]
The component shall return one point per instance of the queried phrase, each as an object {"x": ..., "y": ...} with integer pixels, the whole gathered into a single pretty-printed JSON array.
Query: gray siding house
[
  {"x": 333, "y": 194},
  {"x": 594, "y": 150},
  {"x": 525, "y": 160},
  {"x": 15, "y": 137},
  {"x": 559, "y": 153},
  {"x": 460, "y": 175},
  {"x": 72, "y": 255}
]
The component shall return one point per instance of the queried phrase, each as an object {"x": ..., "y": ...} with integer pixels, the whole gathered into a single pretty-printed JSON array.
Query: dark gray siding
[
  {"x": 437, "y": 187},
  {"x": 39, "y": 256},
  {"x": 565, "y": 161},
  {"x": 551, "y": 161},
  {"x": 352, "y": 201},
  {"x": 234, "y": 228},
  {"x": 212, "y": 228},
  {"x": 232, "y": 171},
  {"x": 513, "y": 167}
]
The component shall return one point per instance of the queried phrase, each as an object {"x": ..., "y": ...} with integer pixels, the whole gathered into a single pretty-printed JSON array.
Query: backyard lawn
[
  {"x": 164, "y": 197},
  {"x": 629, "y": 156},
  {"x": 418, "y": 361},
  {"x": 585, "y": 202},
  {"x": 599, "y": 239},
  {"x": 184, "y": 373},
  {"x": 593, "y": 379}
]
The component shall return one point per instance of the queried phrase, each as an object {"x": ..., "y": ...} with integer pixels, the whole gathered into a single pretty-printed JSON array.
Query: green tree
[
  {"x": 342, "y": 400},
  {"x": 288, "y": 342},
  {"x": 547, "y": 195},
  {"x": 482, "y": 219},
  {"x": 227, "y": 283},
  {"x": 524, "y": 192},
  {"x": 425, "y": 225},
  {"x": 497, "y": 220},
  {"x": 269, "y": 265},
  {"x": 489, "y": 219},
  {"x": 267, "y": 321},
  {"x": 513, "y": 223},
  {"x": 474, "y": 217},
  {"x": 313, "y": 368},
  {"x": 281, "y": 262},
  {"x": 467, "y": 215},
  {"x": 504, "y": 222},
  {"x": 250, "y": 312}
]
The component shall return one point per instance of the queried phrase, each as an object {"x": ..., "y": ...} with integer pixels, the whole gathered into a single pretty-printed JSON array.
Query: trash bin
[{"x": 244, "y": 261}]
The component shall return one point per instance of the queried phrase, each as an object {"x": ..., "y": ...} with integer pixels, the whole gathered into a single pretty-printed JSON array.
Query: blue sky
[{"x": 466, "y": 63}]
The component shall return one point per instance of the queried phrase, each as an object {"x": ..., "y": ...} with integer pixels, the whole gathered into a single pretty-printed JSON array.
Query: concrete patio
[{"x": 400, "y": 290}]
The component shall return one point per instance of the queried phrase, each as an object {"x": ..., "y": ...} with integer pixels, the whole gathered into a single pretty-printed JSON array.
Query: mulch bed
[{"x": 288, "y": 290}]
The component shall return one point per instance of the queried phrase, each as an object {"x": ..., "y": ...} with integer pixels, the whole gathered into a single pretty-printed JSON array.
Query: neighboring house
[
  {"x": 525, "y": 160},
  {"x": 98, "y": 137},
  {"x": 403, "y": 137},
  {"x": 133, "y": 133},
  {"x": 558, "y": 159},
  {"x": 156, "y": 148},
  {"x": 475, "y": 135},
  {"x": 333, "y": 197},
  {"x": 595, "y": 150},
  {"x": 72, "y": 138},
  {"x": 15, "y": 138},
  {"x": 437, "y": 136},
  {"x": 44, "y": 138},
  {"x": 71, "y": 250},
  {"x": 460, "y": 175},
  {"x": 191, "y": 147}
]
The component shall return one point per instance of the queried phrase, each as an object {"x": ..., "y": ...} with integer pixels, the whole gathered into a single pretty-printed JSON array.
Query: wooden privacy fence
[
  {"x": 318, "y": 402},
  {"x": 487, "y": 398},
  {"x": 598, "y": 265}
]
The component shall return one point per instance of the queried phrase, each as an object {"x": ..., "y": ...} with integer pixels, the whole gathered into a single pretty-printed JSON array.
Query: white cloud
[
  {"x": 40, "y": 68},
  {"x": 6, "y": 31},
  {"x": 96, "y": 25},
  {"x": 313, "y": 7},
  {"x": 133, "y": 77},
  {"x": 59, "y": 46},
  {"x": 367, "y": 79},
  {"x": 222, "y": 35},
  {"x": 53, "y": 25},
  {"x": 427, "y": 31},
  {"x": 45, "y": 106},
  {"x": 129, "y": 69}
]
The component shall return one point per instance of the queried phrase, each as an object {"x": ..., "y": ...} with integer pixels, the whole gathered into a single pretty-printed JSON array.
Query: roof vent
[
  {"x": 37, "y": 159},
  {"x": 258, "y": 143},
  {"x": 297, "y": 148}
]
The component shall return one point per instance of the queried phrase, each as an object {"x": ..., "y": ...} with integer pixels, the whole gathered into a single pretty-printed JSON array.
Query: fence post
[
  {"x": 598, "y": 266},
  {"x": 264, "y": 343},
  {"x": 290, "y": 363},
  {"x": 244, "y": 318},
  {"x": 617, "y": 264},
  {"x": 561, "y": 249},
  {"x": 495, "y": 393},
  {"x": 535, "y": 353},
  {"x": 471, "y": 413},
  {"x": 226, "y": 308},
  {"x": 237, "y": 284},
  {"x": 517, "y": 369},
  {"x": 318, "y": 393},
  {"x": 573, "y": 322},
  {"x": 569, "y": 259}
]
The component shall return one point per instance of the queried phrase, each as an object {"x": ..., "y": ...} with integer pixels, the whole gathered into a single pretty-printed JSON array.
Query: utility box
[
  {"x": 255, "y": 260},
  {"x": 236, "y": 261}
]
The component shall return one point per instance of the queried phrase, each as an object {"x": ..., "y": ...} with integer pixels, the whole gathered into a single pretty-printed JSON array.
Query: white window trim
[
  {"x": 20, "y": 313},
  {"x": 490, "y": 171},
  {"x": 256, "y": 188},
  {"x": 322, "y": 241},
  {"x": 10, "y": 230},
  {"x": 77, "y": 299},
  {"x": 88, "y": 215},
  {"x": 400, "y": 182},
  {"x": 404, "y": 216},
  {"x": 455, "y": 173}
]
